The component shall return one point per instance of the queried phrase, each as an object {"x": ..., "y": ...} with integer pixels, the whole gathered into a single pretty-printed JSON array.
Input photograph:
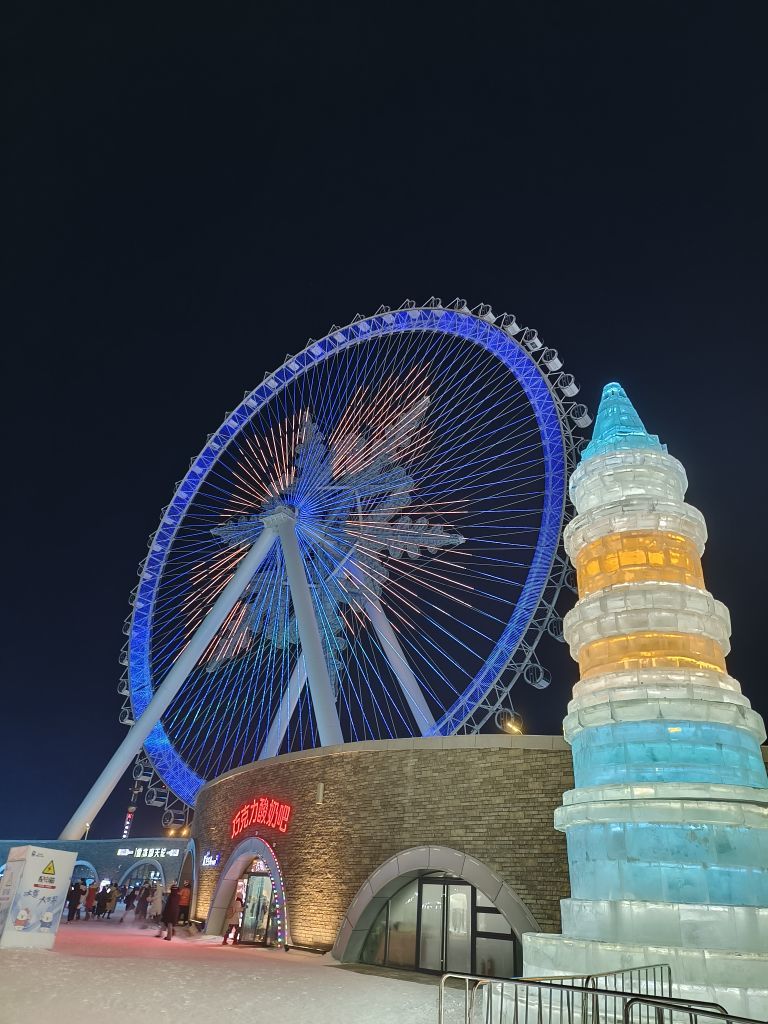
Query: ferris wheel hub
[{"x": 280, "y": 514}]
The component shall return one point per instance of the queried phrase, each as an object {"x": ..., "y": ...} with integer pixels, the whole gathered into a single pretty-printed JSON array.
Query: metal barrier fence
[
  {"x": 637, "y": 1008},
  {"x": 588, "y": 999}
]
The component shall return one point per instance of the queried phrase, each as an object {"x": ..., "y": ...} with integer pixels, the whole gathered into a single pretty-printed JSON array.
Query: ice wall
[{"x": 667, "y": 826}]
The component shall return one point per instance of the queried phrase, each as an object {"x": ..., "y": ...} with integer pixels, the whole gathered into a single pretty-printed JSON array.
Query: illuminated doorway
[
  {"x": 259, "y": 921},
  {"x": 442, "y": 924}
]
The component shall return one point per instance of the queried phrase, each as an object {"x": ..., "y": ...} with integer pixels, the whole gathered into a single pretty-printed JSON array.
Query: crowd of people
[{"x": 147, "y": 902}]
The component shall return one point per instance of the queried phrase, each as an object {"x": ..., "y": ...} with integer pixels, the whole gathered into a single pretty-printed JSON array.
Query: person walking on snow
[
  {"x": 90, "y": 900},
  {"x": 113, "y": 895},
  {"x": 232, "y": 920},
  {"x": 73, "y": 900},
  {"x": 170, "y": 916},
  {"x": 155, "y": 909},
  {"x": 141, "y": 902},
  {"x": 185, "y": 898}
]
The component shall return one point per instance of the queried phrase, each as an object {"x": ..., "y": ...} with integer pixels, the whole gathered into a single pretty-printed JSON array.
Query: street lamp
[
  {"x": 87, "y": 828},
  {"x": 510, "y": 722}
]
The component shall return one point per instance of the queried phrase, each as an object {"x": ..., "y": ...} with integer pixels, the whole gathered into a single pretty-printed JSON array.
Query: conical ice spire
[{"x": 617, "y": 426}]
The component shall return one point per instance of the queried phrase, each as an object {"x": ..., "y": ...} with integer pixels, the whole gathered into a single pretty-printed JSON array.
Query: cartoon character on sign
[
  {"x": 46, "y": 921},
  {"x": 22, "y": 920}
]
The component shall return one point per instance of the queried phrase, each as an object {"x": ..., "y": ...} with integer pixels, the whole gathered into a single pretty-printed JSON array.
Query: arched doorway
[
  {"x": 435, "y": 909},
  {"x": 188, "y": 872},
  {"x": 232, "y": 874},
  {"x": 84, "y": 869},
  {"x": 146, "y": 870}
]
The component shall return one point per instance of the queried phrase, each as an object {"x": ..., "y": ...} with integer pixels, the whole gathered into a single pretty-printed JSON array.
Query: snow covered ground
[{"x": 104, "y": 972}]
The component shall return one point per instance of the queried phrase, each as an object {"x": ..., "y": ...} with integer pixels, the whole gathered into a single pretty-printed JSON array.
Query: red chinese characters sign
[{"x": 262, "y": 811}]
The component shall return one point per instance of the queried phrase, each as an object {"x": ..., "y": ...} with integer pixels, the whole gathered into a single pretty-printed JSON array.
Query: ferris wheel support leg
[
  {"x": 318, "y": 677},
  {"x": 279, "y": 726},
  {"x": 393, "y": 652},
  {"x": 169, "y": 687}
]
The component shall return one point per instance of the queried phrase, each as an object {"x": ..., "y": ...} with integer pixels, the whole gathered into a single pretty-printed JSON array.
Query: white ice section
[
  {"x": 653, "y": 680},
  {"x": 662, "y": 812},
  {"x": 608, "y": 479},
  {"x": 644, "y": 708},
  {"x": 638, "y": 513},
  {"x": 739, "y": 981},
  {"x": 665, "y": 791},
  {"x": 646, "y": 607},
  {"x": 703, "y": 925}
]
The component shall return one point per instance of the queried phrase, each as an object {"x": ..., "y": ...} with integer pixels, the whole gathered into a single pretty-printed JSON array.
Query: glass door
[
  {"x": 431, "y": 931},
  {"x": 458, "y": 928},
  {"x": 445, "y": 933},
  {"x": 258, "y": 910}
]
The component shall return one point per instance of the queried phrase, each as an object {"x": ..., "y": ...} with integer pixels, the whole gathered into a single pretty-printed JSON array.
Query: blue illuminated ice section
[
  {"x": 618, "y": 426},
  {"x": 667, "y": 751},
  {"x": 675, "y": 862}
]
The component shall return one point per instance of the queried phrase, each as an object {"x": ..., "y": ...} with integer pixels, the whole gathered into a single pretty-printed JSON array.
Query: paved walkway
[{"x": 104, "y": 972}]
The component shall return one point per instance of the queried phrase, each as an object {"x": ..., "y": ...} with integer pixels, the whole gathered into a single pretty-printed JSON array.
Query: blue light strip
[{"x": 180, "y": 777}]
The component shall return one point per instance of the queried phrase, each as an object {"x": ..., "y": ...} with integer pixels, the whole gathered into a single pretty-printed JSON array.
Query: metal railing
[
  {"x": 648, "y": 979},
  {"x": 587, "y": 999},
  {"x": 683, "y": 1012}
]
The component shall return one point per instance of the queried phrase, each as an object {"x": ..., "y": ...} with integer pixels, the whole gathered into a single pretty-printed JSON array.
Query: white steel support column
[
  {"x": 397, "y": 662},
  {"x": 284, "y": 713},
  {"x": 284, "y": 522},
  {"x": 169, "y": 687}
]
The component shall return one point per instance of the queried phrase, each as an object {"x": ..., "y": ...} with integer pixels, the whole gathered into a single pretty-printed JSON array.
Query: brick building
[{"x": 426, "y": 853}]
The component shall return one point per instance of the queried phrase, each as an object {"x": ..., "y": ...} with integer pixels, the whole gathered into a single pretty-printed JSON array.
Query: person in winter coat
[
  {"x": 90, "y": 900},
  {"x": 185, "y": 898},
  {"x": 232, "y": 920},
  {"x": 130, "y": 900},
  {"x": 170, "y": 915},
  {"x": 74, "y": 896},
  {"x": 155, "y": 909},
  {"x": 142, "y": 902},
  {"x": 113, "y": 895},
  {"x": 101, "y": 902}
]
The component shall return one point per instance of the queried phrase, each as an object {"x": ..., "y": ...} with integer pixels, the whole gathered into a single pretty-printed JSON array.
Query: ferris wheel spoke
[
  {"x": 318, "y": 679},
  {"x": 402, "y": 671},
  {"x": 284, "y": 713}
]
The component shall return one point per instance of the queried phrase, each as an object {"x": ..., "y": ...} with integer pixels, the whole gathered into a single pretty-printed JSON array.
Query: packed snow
[{"x": 105, "y": 972}]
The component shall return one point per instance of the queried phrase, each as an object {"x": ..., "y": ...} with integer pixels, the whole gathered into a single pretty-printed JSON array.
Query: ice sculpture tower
[{"x": 667, "y": 826}]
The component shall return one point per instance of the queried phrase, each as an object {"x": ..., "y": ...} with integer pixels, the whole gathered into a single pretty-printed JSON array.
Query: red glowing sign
[{"x": 262, "y": 811}]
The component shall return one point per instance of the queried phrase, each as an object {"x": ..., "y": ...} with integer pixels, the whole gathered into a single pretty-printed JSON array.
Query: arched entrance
[
  {"x": 188, "y": 872},
  {"x": 435, "y": 909},
  {"x": 147, "y": 870},
  {"x": 84, "y": 869},
  {"x": 241, "y": 857}
]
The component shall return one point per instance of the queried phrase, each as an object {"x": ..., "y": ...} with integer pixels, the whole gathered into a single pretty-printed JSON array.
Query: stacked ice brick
[{"x": 667, "y": 828}]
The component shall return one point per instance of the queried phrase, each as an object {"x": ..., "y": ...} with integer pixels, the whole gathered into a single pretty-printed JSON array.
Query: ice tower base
[{"x": 738, "y": 981}]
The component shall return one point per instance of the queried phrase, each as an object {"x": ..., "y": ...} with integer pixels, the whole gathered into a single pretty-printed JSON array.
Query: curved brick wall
[{"x": 492, "y": 797}]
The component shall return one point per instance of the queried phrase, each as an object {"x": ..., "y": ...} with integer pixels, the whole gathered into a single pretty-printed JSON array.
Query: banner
[{"x": 33, "y": 891}]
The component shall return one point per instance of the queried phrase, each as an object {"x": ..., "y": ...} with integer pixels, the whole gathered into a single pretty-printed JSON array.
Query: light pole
[{"x": 87, "y": 828}]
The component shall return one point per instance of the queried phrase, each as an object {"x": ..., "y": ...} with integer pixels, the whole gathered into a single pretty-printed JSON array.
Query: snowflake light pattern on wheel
[{"x": 406, "y": 474}]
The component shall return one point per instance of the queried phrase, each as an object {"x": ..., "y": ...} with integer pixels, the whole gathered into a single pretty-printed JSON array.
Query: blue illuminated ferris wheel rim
[{"x": 167, "y": 761}]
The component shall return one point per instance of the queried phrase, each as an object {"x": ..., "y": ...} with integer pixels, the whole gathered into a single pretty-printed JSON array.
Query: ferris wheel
[{"x": 367, "y": 548}]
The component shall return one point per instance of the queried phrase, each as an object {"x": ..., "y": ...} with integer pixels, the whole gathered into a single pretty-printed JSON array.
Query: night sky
[{"x": 192, "y": 194}]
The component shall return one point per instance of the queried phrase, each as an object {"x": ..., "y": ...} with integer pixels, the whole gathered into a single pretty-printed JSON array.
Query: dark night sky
[{"x": 190, "y": 195}]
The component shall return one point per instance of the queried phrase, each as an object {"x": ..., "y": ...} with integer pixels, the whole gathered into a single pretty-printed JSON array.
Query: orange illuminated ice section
[
  {"x": 650, "y": 650},
  {"x": 637, "y": 557}
]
